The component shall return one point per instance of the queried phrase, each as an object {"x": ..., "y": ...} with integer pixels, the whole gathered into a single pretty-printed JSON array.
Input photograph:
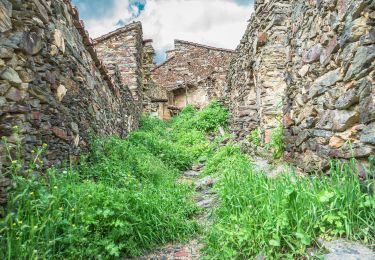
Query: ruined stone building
[
  {"x": 192, "y": 74},
  {"x": 312, "y": 64}
]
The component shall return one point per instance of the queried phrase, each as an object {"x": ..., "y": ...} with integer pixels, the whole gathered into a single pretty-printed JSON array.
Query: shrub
[
  {"x": 213, "y": 116},
  {"x": 208, "y": 120}
]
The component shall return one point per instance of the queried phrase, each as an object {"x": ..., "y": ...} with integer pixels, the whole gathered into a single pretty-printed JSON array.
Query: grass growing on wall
[{"x": 121, "y": 200}]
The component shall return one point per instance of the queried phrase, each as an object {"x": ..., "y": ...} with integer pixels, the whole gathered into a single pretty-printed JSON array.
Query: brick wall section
[
  {"x": 52, "y": 84},
  {"x": 197, "y": 66},
  {"x": 317, "y": 57},
  {"x": 122, "y": 52}
]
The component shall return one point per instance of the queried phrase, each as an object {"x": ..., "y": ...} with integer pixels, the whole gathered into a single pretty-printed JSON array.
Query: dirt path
[{"x": 206, "y": 199}]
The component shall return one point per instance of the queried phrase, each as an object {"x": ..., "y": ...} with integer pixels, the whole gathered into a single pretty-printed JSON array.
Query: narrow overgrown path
[
  {"x": 206, "y": 199},
  {"x": 182, "y": 189}
]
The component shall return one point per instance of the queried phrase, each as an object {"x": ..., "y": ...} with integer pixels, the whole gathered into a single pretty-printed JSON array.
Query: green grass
[
  {"x": 122, "y": 199},
  {"x": 282, "y": 217}
]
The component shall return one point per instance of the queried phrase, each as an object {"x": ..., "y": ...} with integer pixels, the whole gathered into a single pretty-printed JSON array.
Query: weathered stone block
[
  {"x": 368, "y": 134},
  {"x": 336, "y": 142},
  {"x": 32, "y": 42},
  {"x": 328, "y": 51},
  {"x": 354, "y": 30},
  {"x": 262, "y": 38},
  {"x": 347, "y": 100},
  {"x": 6, "y": 53},
  {"x": 313, "y": 54},
  {"x": 60, "y": 92},
  {"x": 368, "y": 38},
  {"x": 338, "y": 120},
  {"x": 10, "y": 75},
  {"x": 366, "y": 100},
  {"x": 304, "y": 70},
  {"x": 303, "y": 136},
  {"x": 5, "y": 16},
  {"x": 59, "y": 41},
  {"x": 329, "y": 79},
  {"x": 14, "y": 95},
  {"x": 60, "y": 133},
  {"x": 362, "y": 60}
]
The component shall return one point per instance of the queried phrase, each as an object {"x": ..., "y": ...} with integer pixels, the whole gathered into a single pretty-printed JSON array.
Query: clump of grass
[
  {"x": 276, "y": 143},
  {"x": 255, "y": 137},
  {"x": 207, "y": 120},
  {"x": 282, "y": 217}
]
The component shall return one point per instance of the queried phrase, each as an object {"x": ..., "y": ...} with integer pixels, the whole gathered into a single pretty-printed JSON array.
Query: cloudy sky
[{"x": 219, "y": 23}]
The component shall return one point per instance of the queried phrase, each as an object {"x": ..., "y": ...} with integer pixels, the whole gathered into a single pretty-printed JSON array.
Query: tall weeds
[
  {"x": 282, "y": 217},
  {"x": 122, "y": 199}
]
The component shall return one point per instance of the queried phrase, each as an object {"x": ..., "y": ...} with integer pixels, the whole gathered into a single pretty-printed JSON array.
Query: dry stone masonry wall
[
  {"x": 53, "y": 86},
  {"x": 330, "y": 103},
  {"x": 153, "y": 96},
  {"x": 122, "y": 52},
  {"x": 256, "y": 83},
  {"x": 311, "y": 62}
]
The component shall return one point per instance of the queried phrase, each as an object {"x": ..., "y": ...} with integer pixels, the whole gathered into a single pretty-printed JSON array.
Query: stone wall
[
  {"x": 311, "y": 62},
  {"x": 53, "y": 86},
  {"x": 256, "y": 83},
  {"x": 122, "y": 52},
  {"x": 193, "y": 73},
  {"x": 330, "y": 103},
  {"x": 153, "y": 96}
]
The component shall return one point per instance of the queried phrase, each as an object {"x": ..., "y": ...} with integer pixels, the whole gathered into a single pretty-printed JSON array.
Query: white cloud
[
  {"x": 219, "y": 23},
  {"x": 101, "y": 25}
]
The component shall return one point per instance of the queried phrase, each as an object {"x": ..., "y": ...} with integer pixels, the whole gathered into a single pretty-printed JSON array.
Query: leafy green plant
[
  {"x": 255, "y": 137},
  {"x": 208, "y": 120},
  {"x": 277, "y": 141}
]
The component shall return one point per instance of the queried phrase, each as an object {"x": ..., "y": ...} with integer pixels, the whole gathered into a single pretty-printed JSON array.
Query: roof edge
[
  {"x": 163, "y": 63},
  {"x": 203, "y": 46},
  {"x": 126, "y": 28}
]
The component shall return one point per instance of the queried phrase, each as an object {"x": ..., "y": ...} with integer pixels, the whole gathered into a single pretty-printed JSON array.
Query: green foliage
[
  {"x": 277, "y": 141},
  {"x": 255, "y": 137},
  {"x": 213, "y": 116},
  {"x": 121, "y": 200},
  {"x": 226, "y": 155},
  {"x": 207, "y": 120},
  {"x": 281, "y": 217}
]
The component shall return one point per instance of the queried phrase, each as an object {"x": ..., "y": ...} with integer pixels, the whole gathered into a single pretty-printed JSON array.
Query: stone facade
[
  {"x": 122, "y": 52},
  {"x": 256, "y": 83},
  {"x": 53, "y": 85},
  {"x": 192, "y": 74},
  {"x": 311, "y": 63}
]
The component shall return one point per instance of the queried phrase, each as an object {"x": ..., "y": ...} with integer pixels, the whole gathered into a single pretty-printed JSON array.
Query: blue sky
[{"x": 219, "y": 23}]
